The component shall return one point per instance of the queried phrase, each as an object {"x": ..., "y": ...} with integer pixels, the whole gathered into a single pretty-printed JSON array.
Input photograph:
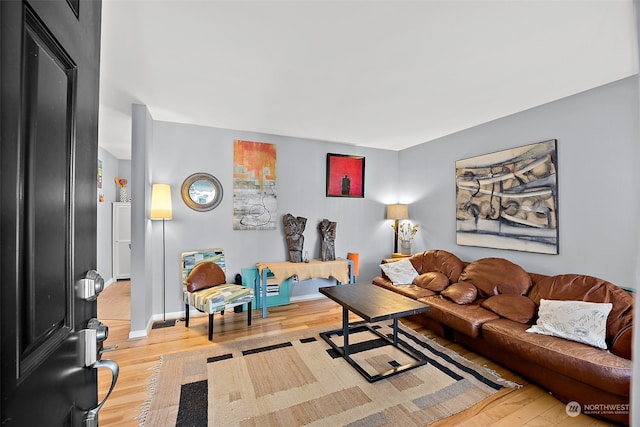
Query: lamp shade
[
  {"x": 161, "y": 202},
  {"x": 397, "y": 211}
]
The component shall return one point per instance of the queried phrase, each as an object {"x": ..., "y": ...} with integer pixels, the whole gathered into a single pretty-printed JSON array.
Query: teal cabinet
[{"x": 276, "y": 295}]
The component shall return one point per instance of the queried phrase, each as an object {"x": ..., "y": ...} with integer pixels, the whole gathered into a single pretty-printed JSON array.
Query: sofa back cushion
[
  {"x": 518, "y": 308},
  {"x": 579, "y": 287},
  {"x": 461, "y": 293},
  {"x": 432, "y": 280},
  {"x": 493, "y": 276},
  {"x": 438, "y": 261}
]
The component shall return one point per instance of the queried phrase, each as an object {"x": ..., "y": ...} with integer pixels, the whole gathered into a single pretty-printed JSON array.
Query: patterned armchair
[{"x": 205, "y": 288}]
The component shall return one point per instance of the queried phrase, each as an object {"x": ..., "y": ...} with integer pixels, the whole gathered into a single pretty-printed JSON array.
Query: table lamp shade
[
  {"x": 397, "y": 211},
  {"x": 161, "y": 202}
]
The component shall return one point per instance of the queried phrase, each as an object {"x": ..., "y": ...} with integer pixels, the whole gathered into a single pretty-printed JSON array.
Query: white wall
[
  {"x": 104, "y": 256},
  {"x": 598, "y": 152}
]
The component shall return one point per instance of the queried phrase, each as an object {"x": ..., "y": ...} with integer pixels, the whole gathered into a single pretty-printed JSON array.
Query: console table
[{"x": 339, "y": 269}]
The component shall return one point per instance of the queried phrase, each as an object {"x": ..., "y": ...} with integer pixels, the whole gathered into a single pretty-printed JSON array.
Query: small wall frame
[
  {"x": 201, "y": 192},
  {"x": 345, "y": 175}
]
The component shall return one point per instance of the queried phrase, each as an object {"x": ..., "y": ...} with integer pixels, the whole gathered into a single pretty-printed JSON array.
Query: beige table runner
[{"x": 315, "y": 268}]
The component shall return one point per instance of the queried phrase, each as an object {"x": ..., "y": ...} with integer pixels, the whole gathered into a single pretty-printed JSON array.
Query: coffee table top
[{"x": 372, "y": 302}]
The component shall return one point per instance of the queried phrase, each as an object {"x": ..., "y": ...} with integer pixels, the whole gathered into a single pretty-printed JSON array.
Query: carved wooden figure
[
  {"x": 293, "y": 229},
  {"x": 327, "y": 231}
]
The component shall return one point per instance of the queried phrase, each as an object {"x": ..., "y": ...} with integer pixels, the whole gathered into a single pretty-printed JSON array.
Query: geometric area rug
[{"x": 297, "y": 379}]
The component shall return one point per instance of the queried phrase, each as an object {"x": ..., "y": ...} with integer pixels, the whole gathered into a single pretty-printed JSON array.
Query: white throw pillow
[
  {"x": 580, "y": 321},
  {"x": 400, "y": 272}
]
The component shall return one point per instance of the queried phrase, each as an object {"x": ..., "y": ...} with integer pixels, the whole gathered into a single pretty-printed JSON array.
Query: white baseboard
[
  {"x": 175, "y": 315},
  {"x": 108, "y": 282},
  {"x": 307, "y": 297},
  {"x": 141, "y": 333},
  {"x": 144, "y": 333}
]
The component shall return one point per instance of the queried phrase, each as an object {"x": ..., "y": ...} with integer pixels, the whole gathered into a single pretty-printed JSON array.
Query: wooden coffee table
[{"x": 373, "y": 303}]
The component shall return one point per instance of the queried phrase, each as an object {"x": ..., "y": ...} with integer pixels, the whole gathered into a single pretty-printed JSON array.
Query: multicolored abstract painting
[
  {"x": 509, "y": 199},
  {"x": 254, "y": 186}
]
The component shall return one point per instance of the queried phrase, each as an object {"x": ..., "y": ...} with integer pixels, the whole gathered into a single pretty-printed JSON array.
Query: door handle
[{"x": 91, "y": 417}]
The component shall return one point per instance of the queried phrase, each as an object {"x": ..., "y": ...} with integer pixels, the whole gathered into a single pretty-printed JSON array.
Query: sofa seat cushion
[
  {"x": 493, "y": 276},
  {"x": 582, "y": 362},
  {"x": 466, "y": 319},
  {"x": 411, "y": 291}
]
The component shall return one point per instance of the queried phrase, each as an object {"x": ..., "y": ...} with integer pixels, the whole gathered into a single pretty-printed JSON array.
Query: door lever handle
[{"x": 91, "y": 418}]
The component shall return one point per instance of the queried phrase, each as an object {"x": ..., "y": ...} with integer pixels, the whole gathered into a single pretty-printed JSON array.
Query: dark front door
[{"x": 49, "y": 72}]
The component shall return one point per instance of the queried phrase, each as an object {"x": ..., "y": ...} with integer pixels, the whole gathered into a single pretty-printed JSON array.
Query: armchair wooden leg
[
  {"x": 186, "y": 315},
  {"x": 249, "y": 313},
  {"x": 211, "y": 327}
]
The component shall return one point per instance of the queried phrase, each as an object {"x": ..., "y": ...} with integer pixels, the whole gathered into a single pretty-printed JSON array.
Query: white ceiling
[{"x": 384, "y": 74}]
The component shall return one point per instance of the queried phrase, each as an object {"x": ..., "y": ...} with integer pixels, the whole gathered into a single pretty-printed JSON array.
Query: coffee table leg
[
  {"x": 345, "y": 331},
  {"x": 395, "y": 331}
]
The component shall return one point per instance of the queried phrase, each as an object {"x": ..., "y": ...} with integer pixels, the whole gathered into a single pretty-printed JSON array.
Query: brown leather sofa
[{"x": 488, "y": 304}]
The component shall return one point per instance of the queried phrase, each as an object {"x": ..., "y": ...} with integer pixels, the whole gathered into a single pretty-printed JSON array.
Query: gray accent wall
[{"x": 598, "y": 154}]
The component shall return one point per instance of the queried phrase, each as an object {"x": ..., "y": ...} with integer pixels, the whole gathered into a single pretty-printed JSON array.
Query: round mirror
[{"x": 201, "y": 192}]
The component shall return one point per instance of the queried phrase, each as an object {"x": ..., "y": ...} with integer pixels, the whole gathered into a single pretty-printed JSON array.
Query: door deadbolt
[{"x": 89, "y": 287}]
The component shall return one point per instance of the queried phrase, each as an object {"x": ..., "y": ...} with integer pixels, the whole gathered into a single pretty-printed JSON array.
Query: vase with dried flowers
[
  {"x": 122, "y": 187},
  {"x": 406, "y": 233}
]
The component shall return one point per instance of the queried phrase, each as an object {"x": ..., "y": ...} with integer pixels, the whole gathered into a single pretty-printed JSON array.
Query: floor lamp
[
  {"x": 161, "y": 210},
  {"x": 397, "y": 212}
]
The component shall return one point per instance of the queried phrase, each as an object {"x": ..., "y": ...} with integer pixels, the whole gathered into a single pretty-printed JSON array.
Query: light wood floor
[{"x": 528, "y": 406}]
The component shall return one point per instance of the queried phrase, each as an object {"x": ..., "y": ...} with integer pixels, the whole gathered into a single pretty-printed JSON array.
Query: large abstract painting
[
  {"x": 254, "y": 186},
  {"x": 509, "y": 199}
]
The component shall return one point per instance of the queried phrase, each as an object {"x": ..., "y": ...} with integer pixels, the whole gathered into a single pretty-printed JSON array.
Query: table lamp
[{"x": 397, "y": 212}]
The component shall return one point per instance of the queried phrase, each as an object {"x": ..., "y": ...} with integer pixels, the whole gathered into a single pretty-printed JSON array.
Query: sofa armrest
[{"x": 622, "y": 343}]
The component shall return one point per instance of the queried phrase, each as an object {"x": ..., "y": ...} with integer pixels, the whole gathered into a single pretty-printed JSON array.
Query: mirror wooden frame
[{"x": 195, "y": 205}]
